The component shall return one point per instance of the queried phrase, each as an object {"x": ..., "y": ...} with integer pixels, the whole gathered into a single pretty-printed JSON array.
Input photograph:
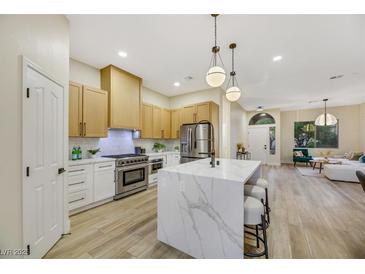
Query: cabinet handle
[
  {"x": 76, "y": 170},
  {"x": 78, "y": 183},
  {"x": 80, "y": 130},
  {"x": 162, "y": 133},
  {"x": 84, "y": 128},
  {"x": 77, "y": 200},
  {"x": 105, "y": 166}
]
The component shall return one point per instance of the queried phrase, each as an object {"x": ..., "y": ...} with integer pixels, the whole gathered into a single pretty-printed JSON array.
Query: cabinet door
[
  {"x": 125, "y": 101},
  {"x": 175, "y": 123},
  {"x": 95, "y": 112},
  {"x": 75, "y": 110},
  {"x": 166, "y": 123},
  {"x": 157, "y": 126},
  {"x": 104, "y": 185},
  {"x": 147, "y": 121},
  {"x": 203, "y": 112},
  {"x": 188, "y": 115}
]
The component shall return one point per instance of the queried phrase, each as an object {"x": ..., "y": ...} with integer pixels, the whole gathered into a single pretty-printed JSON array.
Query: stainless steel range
[{"x": 131, "y": 174}]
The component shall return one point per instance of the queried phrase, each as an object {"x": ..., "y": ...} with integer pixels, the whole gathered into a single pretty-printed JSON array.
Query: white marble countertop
[
  {"x": 228, "y": 169},
  {"x": 90, "y": 161}
]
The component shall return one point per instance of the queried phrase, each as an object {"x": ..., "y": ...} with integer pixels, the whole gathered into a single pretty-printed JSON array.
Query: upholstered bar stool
[
  {"x": 254, "y": 216},
  {"x": 261, "y": 182},
  {"x": 259, "y": 193}
]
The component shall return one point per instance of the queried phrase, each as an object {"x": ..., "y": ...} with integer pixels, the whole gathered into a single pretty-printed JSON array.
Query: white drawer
[
  {"x": 78, "y": 199},
  {"x": 104, "y": 166},
  {"x": 77, "y": 183}
]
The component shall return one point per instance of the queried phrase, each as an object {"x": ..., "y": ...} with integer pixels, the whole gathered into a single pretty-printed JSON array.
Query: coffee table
[{"x": 322, "y": 161}]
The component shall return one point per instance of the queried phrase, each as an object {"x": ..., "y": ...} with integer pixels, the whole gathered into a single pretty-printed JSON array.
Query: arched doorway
[{"x": 262, "y": 136}]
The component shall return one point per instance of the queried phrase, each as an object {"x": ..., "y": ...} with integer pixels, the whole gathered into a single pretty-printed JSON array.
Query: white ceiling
[{"x": 163, "y": 49}]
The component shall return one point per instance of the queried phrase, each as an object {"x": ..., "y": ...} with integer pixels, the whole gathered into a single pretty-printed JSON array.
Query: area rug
[{"x": 308, "y": 171}]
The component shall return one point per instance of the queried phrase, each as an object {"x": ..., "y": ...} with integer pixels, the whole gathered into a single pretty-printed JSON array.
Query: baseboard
[
  {"x": 273, "y": 164},
  {"x": 89, "y": 206}
]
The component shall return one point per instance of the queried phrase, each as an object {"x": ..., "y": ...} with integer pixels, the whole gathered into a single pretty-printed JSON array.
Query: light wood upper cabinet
[
  {"x": 88, "y": 111},
  {"x": 95, "y": 112},
  {"x": 175, "y": 123},
  {"x": 166, "y": 123},
  {"x": 203, "y": 112},
  {"x": 147, "y": 121},
  {"x": 75, "y": 110},
  {"x": 188, "y": 114},
  {"x": 124, "y": 97},
  {"x": 157, "y": 125}
]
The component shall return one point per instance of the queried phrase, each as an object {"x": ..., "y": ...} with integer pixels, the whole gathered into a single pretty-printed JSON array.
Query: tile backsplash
[{"x": 119, "y": 141}]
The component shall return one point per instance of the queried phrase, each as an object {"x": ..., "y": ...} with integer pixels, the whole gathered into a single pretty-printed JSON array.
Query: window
[
  {"x": 261, "y": 119},
  {"x": 307, "y": 134}
]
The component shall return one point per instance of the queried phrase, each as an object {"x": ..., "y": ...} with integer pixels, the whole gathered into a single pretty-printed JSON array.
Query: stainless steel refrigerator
[{"x": 195, "y": 142}]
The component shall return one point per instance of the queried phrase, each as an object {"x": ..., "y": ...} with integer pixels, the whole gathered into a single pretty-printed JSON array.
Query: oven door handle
[{"x": 126, "y": 168}]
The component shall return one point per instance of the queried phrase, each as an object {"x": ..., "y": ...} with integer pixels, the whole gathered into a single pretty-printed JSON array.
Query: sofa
[{"x": 343, "y": 172}]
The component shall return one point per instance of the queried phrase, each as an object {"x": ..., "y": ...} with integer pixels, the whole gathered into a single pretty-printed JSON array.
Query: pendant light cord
[
  {"x": 233, "y": 66},
  {"x": 215, "y": 31},
  {"x": 325, "y": 113}
]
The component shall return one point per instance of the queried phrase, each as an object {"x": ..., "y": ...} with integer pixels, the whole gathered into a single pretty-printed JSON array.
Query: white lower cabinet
[
  {"x": 79, "y": 186},
  {"x": 104, "y": 185},
  {"x": 89, "y": 184}
]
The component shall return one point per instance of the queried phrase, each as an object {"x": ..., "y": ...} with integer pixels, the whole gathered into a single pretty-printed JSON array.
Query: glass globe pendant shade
[
  {"x": 321, "y": 121},
  {"x": 215, "y": 76},
  {"x": 233, "y": 94}
]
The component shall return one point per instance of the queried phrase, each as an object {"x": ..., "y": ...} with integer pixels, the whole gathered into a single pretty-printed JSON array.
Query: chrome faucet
[{"x": 212, "y": 150}]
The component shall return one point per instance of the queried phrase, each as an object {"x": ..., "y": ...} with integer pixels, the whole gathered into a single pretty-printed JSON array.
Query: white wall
[
  {"x": 239, "y": 125},
  {"x": 349, "y": 131},
  {"x": 84, "y": 74},
  {"x": 152, "y": 97},
  {"x": 362, "y": 126},
  {"x": 44, "y": 39},
  {"x": 206, "y": 95}
]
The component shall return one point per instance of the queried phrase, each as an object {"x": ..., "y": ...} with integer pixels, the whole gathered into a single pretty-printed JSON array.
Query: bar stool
[
  {"x": 254, "y": 215},
  {"x": 261, "y": 182},
  {"x": 259, "y": 193}
]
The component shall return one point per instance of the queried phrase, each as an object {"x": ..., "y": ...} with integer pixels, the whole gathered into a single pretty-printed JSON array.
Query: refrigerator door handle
[{"x": 190, "y": 139}]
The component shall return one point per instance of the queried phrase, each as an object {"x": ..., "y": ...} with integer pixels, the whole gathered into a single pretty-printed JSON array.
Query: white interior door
[
  {"x": 258, "y": 143},
  {"x": 43, "y": 135}
]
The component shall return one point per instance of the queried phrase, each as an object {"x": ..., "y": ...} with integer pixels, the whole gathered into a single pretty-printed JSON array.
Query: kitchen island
[{"x": 200, "y": 208}]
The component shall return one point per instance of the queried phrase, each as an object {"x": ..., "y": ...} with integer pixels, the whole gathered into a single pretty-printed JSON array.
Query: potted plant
[
  {"x": 93, "y": 152},
  {"x": 177, "y": 148},
  {"x": 158, "y": 147}
]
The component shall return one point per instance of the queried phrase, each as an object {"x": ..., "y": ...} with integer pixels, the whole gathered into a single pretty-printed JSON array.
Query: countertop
[
  {"x": 151, "y": 154},
  {"x": 228, "y": 169},
  {"x": 90, "y": 161}
]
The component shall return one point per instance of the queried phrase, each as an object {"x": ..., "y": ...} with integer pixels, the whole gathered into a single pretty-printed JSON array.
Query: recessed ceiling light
[
  {"x": 176, "y": 84},
  {"x": 122, "y": 54},
  {"x": 277, "y": 58}
]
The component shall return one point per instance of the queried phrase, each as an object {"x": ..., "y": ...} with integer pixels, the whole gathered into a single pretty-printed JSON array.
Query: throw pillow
[
  {"x": 356, "y": 156},
  {"x": 362, "y": 159},
  {"x": 298, "y": 154}
]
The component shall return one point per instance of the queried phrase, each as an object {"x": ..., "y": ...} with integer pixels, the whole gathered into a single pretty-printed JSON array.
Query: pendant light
[
  {"x": 216, "y": 74},
  {"x": 233, "y": 93},
  {"x": 325, "y": 119}
]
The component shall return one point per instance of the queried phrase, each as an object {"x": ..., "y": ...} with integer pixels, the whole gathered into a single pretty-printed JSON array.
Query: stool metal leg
[
  {"x": 264, "y": 236},
  {"x": 262, "y": 239},
  {"x": 257, "y": 239}
]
